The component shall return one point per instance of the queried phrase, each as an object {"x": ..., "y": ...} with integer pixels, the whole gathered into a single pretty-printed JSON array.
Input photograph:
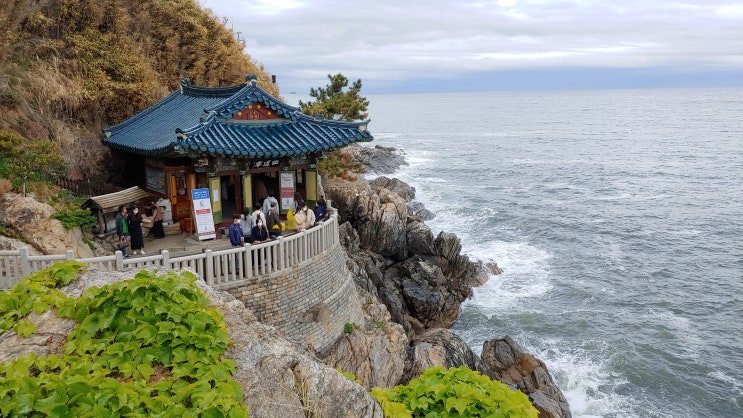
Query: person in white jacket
[{"x": 270, "y": 200}]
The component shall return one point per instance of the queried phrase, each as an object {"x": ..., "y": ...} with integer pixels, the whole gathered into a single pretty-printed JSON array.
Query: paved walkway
[
  {"x": 185, "y": 243},
  {"x": 181, "y": 244}
]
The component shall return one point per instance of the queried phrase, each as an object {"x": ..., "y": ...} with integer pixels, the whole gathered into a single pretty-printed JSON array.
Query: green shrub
[
  {"x": 148, "y": 346},
  {"x": 340, "y": 164},
  {"x": 349, "y": 327},
  {"x": 455, "y": 392},
  {"x": 71, "y": 218}
]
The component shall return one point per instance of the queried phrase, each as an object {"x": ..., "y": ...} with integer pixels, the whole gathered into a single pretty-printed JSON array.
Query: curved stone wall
[{"x": 310, "y": 303}]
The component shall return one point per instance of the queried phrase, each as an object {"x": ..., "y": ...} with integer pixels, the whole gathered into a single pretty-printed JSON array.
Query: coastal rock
[
  {"x": 422, "y": 280},
  {"x": 32, "y": 220},
  {"x": 379, "y": 218},
  {"x": 375, "y": 351},
  {"x": 418, "y": 210},
  {"x": 512, "y": 365},
  {"x": 405, "y": 191},
  {"x": 379, "y": 159},
  {"x": 420, "y": 238},
  {"x": 441, "y": 347}
]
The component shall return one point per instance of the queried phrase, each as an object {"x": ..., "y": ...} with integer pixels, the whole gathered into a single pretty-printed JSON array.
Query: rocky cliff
[{"x": 421, "y": 280}]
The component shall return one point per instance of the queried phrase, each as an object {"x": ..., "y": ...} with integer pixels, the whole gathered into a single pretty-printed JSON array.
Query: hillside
[{"x": 70, "y": 67}]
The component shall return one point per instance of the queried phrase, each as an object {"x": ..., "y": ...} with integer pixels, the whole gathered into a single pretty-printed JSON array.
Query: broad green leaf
[{"x": 24, "y": 328}]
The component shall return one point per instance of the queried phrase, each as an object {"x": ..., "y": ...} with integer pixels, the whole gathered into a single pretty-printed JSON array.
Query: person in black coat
[
  {"x": 259, "y": 233},
  {"x": 135, "y": 231}
]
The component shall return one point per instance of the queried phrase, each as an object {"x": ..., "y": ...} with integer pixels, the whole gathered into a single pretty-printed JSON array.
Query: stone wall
[{"x": 310, "y": 303}]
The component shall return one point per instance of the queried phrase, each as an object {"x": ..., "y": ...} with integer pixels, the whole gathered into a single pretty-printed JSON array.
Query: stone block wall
[{"x": 310, "y": 303}]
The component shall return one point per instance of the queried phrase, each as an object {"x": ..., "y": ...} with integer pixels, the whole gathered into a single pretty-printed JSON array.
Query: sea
[{"x": 617, "y": 218}]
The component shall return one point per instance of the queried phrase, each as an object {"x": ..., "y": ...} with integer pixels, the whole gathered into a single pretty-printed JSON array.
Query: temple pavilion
[{"x": 239, "y": 142}]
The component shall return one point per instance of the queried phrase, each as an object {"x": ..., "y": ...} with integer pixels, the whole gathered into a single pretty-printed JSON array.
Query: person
[
  {"x": 122, "y": 230},
  {"x": 246, "y": 223},
  {"x": 237, "y": 237},
  {"x": 298, "y": 201},
  {"x": 259, "y": 233},
  {"x": 157, "y": 221},
  {"x": 269, "y": 202},
  {"x": 273, "y": 221},
  {"x": 257, "y": 213},
  {"x": 135, "y": 231},
  {"x": 321, "y": 210},
  {"x": 305, "y": 218}
]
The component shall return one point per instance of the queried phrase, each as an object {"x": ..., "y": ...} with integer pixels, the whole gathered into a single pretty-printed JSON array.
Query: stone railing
[{"x": 215, "y": 267}]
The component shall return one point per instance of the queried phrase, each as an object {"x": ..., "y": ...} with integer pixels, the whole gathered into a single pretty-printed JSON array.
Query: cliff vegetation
[{"x": 68, "y": 68}]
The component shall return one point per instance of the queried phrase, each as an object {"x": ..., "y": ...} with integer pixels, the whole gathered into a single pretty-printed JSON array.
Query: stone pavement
[{"x": 181, "y": 244}]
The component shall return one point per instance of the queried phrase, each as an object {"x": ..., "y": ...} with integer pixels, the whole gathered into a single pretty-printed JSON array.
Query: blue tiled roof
[{"x": 197, "y": 120}]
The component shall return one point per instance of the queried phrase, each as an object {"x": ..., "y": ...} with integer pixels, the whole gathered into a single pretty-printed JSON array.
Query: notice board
[{"x": 202, "y": 210}]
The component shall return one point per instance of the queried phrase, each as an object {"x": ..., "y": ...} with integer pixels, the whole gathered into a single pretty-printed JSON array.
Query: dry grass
[{"x": 5, "y": 186}]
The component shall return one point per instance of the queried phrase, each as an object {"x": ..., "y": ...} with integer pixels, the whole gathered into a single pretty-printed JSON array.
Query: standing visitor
[
  {"x": 246, "y": 223},
  {"x": 157, "y": 227},
  {"x": 237, "y": 238},
  {"x": 135, "y": 231},
  {"x": 273, "y": 221},
  {"x": 268, "y": 202},
  {"x": 257, "y": 214},
  {"x": 122, "y": 230}
]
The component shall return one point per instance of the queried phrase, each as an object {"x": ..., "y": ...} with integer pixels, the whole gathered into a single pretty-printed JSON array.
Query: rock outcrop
[
  {"x": 421, "y": 279},
  {"x": 375, "y": 351},
  {"x": 378, "y": 159},
  {"x": 32, "y": 219},
  {"x": 441, "y": 347},
  {"x": 511, "y": 365}
]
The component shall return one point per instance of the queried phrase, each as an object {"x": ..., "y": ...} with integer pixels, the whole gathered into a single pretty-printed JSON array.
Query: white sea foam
[
  {"x": 526, "y": 275},
  {"x": 581, "y": 375}
]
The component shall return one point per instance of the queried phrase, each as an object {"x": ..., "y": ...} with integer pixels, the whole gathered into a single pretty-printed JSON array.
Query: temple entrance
[{"x": 228, "y": 194}]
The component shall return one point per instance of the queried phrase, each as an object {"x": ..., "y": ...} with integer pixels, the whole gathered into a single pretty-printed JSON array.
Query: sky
[{"x": 443, "y": 46}]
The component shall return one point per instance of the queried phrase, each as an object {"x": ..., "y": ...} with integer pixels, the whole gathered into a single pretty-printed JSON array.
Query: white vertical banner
[
  {"x": 202, "y": 209},
  {"x": 286, "y": 182}
]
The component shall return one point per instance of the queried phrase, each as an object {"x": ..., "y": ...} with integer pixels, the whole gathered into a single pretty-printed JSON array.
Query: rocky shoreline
[{"x": 421, "y": 280}]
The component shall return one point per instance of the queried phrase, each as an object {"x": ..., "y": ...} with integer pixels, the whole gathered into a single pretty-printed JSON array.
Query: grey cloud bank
[{"x": 492, "y": 45}]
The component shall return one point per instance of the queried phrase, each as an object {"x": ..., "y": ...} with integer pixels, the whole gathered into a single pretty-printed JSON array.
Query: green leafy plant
[
  {"x": 38, "y": 293},
  {"x": 73, "y": 217},
  {"x": 349, "y": 327},
  {"x": 89, "y": 243},
  {"x": 148, "y": 346},
  {"x": 350, "y": 376},
  {"x": 379, "y": 323},
  {"x": 457, "y": 392}
]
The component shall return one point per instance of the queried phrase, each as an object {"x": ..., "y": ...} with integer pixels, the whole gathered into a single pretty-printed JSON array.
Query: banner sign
[
  {"x": 202, "y": 210},
  {"x": 286, "y": 181}
]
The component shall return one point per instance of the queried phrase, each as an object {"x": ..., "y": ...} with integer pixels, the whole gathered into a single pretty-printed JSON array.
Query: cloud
[{"x": 391, "y": 42}]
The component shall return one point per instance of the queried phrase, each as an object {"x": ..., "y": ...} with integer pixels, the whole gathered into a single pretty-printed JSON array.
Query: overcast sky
[{"x": 426, "y": 46}]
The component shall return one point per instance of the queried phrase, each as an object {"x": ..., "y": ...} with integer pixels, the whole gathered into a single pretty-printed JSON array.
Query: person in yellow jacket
[{"x": 290, "y": 218}]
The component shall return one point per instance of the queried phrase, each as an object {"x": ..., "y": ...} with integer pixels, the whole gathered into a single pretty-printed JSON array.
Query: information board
[{"x": 202, "y": 210}]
